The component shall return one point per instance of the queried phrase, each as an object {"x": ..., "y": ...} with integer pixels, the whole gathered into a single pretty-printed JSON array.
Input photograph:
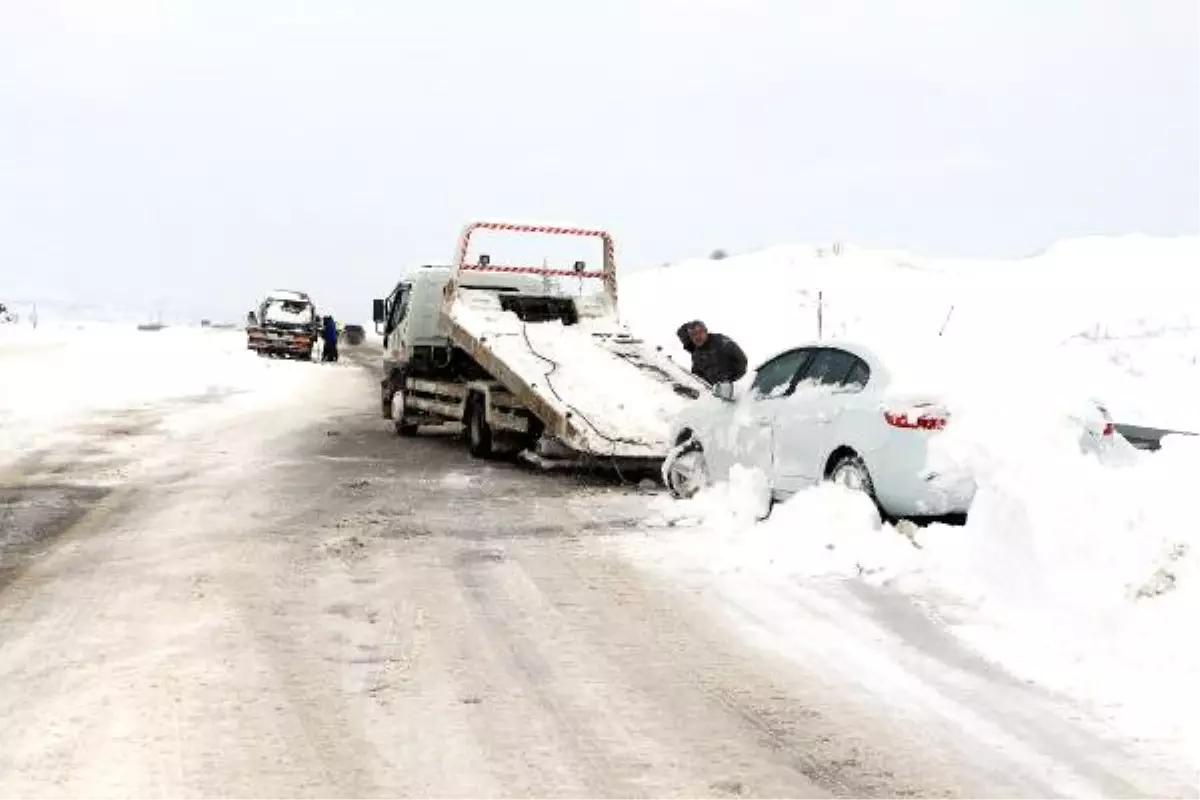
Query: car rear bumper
[{"x": 907, "y": 485}]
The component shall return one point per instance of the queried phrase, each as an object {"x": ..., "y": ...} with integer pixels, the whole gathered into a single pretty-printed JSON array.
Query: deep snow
[
  {"x": 56, "y": 376},
  {"x": 1076, "y": 575}
]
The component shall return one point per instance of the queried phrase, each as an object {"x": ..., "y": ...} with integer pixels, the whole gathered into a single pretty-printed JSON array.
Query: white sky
[{"x": 196, "y": 154}]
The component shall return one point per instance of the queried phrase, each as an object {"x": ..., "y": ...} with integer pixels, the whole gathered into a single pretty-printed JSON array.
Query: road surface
[{"x": 301, "y": 604}]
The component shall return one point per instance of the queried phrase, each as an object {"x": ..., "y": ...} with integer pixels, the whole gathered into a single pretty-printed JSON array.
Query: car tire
[
  {"x": 851, "y": 471},
  {"x": 675, "y": 479}
]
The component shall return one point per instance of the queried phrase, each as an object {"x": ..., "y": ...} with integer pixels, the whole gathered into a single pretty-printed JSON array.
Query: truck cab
[
  {"x": 285, "y": 325},
  {"x": 410, "y": 318}
]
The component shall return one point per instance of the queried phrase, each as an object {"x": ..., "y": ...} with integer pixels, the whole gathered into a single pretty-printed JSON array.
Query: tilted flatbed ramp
[{"x": 598, "y": 389}]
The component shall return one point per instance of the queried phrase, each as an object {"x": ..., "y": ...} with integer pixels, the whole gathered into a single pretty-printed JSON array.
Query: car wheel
[
  {"x": 685, "y": 470},
  {"x": 851, "y": 472}
]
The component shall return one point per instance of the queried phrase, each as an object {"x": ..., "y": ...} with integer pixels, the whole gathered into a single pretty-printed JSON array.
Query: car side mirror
[
  {"x": 724, "y": 391},
  {"x": 377, "y": 310}
]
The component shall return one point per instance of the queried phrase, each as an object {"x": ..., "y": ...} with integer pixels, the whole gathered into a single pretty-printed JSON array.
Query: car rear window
[
  {"x": 859, "y": 375},
  {"x": 830, "y": 367}
]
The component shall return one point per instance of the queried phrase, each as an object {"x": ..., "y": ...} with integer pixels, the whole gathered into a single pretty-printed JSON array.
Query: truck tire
[
  {"x": 386, "y": 395},
  {"x": 404, "y": 427},
  {"x": 479, "y": 433}
]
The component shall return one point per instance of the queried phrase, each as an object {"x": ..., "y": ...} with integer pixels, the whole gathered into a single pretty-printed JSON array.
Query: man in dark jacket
[
  {"x": 715, "y": 357},
  {"x": 329, "y": 334}
]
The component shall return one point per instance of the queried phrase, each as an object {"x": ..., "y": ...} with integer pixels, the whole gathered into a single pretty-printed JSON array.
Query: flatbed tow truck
[{"x": 556, "y": 378}]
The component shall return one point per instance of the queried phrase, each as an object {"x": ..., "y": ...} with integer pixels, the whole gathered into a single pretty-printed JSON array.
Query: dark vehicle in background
[{"x": 354, "y": 334}]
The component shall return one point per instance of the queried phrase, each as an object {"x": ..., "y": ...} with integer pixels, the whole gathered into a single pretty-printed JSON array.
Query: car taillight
[
  {"x": 1109, "y": 427},
  {"x": 920, "y": 417}
]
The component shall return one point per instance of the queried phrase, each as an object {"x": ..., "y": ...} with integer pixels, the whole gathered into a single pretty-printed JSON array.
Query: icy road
[{"x": 199, "y": 597}]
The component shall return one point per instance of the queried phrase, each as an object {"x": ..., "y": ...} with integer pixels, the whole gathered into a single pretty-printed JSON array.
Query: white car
[{"x": 833, "y": 411}]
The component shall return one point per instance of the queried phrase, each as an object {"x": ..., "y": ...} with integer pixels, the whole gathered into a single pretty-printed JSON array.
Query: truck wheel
[
  {"x": 386, "y": 393},
  {"x": 403, "y": 426},
  {"x": 479, "y": 433},
  {"x": 529, "y": 441}
]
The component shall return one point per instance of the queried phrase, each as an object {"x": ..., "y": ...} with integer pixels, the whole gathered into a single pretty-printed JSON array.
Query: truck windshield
[{"x": 288, "y": 311}]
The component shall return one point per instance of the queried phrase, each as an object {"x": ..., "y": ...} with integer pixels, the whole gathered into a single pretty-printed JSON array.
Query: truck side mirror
[{"x": 377, "y": 310}]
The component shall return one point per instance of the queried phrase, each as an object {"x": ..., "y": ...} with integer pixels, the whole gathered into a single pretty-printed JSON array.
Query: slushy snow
[{"x": 1073, "y": 572}]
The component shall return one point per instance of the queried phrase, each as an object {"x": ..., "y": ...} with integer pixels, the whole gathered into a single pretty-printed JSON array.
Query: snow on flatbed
[{"x": 590, "y": 371}]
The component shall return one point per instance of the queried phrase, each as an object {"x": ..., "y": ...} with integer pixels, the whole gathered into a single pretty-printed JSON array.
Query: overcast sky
[{"x": 195, "y": 154}]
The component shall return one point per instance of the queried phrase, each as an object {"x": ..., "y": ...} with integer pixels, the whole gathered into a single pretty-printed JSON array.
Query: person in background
[
  {"x": 329, "y": 335},
  {"x": 715, "y": 357}
]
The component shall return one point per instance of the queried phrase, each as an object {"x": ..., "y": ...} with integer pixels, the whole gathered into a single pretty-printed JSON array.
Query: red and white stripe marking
[
  {"x": 565, "y": 273},
  {"x": 553, "y": 230}
]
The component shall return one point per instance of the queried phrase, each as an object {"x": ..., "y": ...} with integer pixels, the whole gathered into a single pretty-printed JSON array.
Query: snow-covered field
[
  {"x": 1080, "y": 577},
  {"x": 56, "y": 376}
]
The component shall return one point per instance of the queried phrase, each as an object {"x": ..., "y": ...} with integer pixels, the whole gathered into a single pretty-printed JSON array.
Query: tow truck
[{"x": 524, "y": 367}]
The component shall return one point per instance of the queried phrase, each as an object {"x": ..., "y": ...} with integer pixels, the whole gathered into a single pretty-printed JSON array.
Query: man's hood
[{"x": 683, "y": 333}]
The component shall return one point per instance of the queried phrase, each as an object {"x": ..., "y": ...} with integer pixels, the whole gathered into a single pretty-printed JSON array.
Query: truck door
[{"x": 393, "y": 331}]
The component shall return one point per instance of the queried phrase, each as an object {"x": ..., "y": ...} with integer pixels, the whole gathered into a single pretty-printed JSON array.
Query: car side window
[
  {"x": 859, "y": 375},
  {"x": 774, "y": 378},
  {"x": 831, "y": 367}
]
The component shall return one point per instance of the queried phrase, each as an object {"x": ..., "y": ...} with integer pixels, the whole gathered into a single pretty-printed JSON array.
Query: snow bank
[
  {"x": 53, "y": 377},
  {"x": 770, "y": 299},
  {"x": 1122, "y": 309},
  {"x": 1076, "y": 572},
  {"x": 1078, "y": 576}
]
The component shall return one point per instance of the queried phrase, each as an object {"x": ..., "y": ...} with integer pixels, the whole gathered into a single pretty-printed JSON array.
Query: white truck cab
[{"x": 410, "y": 318}]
